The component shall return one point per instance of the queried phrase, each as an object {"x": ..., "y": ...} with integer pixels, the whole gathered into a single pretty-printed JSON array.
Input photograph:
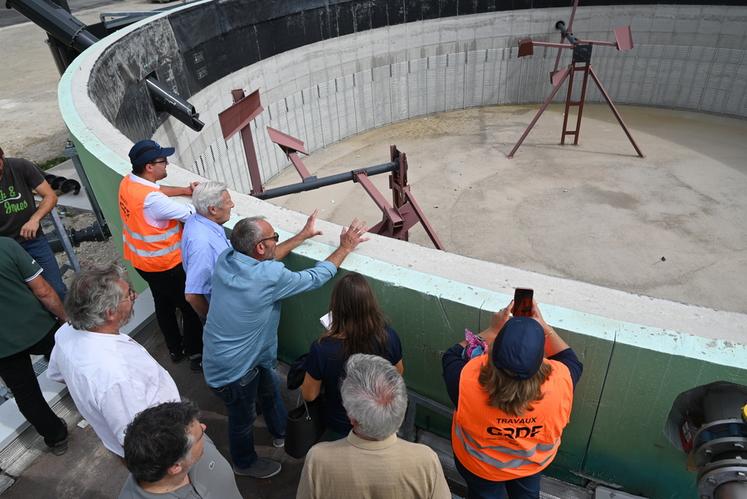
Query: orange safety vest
[
  {"x": 148, "y": 248},
  {"x": 497, "y": 446}
]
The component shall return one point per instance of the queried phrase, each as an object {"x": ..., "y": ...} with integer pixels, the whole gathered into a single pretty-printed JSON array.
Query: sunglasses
[{"x": 275, "y": 237}]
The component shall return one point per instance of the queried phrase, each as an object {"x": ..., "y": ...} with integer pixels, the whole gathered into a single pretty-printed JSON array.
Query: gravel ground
[{"x": 88, "y": 251}]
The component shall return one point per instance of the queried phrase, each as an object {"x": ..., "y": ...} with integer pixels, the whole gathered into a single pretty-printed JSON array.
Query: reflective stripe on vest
[
  {"x": 498, "y": 446},
  {"x": 152, "y": 239},
  {"x": 148, "y": 248},
  {"x": 474, "y": 451},
  {"x": 152, "y": 254}
]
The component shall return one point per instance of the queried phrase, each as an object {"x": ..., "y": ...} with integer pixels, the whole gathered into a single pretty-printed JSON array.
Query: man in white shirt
[
  {"x": 152, "y": 236},
  {"x": 110, "y": 376}
]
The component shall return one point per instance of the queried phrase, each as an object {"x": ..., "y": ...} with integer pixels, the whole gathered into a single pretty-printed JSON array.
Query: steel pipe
[{"x": 312, "y": 183}]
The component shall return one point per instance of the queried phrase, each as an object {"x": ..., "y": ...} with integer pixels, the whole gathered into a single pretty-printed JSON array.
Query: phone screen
[{"x": 523, "y": 302}]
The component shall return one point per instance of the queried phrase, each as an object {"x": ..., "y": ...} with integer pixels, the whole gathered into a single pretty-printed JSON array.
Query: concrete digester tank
[{"x": 328, "y": 70}]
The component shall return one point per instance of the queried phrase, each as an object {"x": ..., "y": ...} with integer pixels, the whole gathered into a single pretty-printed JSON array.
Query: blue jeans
[
  {"x": 41, "y": 252},
  {"x": 479, "y": 488},
  {"x": 240, "y": 398}
]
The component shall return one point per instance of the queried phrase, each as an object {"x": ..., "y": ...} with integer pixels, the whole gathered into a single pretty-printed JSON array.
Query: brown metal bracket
[
  {"x": 291, "y": 146},
  {"x": 237, "y": 118},
  {"x": 397, "y": 218}
]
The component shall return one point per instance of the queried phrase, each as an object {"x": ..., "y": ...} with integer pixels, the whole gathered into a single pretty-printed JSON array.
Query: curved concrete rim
[{"x": 656, "y": 324}]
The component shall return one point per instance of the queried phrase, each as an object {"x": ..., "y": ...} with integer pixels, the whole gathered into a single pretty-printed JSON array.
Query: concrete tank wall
[
  {"x": 639, "y": 353},
  {"x": 688, "y": 57}
]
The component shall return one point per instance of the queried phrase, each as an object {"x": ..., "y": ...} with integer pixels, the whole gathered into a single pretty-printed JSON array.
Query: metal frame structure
[
  {"x": 398, "y": 217},
  {"x": 581, "y": 62},
  {"x": 237, "y": 118}
]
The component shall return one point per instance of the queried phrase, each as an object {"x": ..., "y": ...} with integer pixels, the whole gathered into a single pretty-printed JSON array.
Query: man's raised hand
[
  {"x": 352, "y": 236},
  {"x": 309, "y": 229}
]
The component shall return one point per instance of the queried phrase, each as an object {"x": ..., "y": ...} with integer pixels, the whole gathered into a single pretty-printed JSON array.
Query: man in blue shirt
[
  {"x": 240, "y": 336},
  {"x": 203, "y": 240}
]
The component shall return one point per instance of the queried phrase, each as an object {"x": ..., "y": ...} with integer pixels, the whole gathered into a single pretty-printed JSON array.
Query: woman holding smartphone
[
  {"x": 357, "y": 326},
  {"x": 513, "y": 398}
]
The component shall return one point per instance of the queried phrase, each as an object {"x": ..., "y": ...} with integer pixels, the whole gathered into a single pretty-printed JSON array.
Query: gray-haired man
[
  {"x": 110, "y": 376},
  {"x": 203, "y": 240},
  {"x": 372, "y": 462}
]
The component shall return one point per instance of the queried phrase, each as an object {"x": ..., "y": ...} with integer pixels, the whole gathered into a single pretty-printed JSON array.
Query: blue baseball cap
[
  {"x": 146, "y": 151},
  {"x": 520, "y": 347}
]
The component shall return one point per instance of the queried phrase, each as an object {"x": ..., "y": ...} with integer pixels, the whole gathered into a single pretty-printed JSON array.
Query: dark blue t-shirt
[{"x": 325, "y": 362}]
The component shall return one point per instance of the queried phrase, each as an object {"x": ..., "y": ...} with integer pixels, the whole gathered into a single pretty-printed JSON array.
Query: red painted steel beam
[
  {"x": 291, "y": 146},
  {"x": 237, "y": 118},
  {"x": 299, "y": 165},
  {"x": 570, "y": 29},
  {"x": 423, "y": 220},
  {"x": 614, "y": 111},
  {"x": 560, "y": 77},
  {"x": 378, "y": 198},
  {"x": 285, "y": 141},
  {"x": 553, "y": 45}
]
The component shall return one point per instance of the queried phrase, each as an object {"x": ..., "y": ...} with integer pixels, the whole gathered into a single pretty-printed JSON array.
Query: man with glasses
[
  {"x": 169, "y": 455},
  {"x": 241, "y": 341},
  {"x": 110, "y": 376},
  {"x": 152, "y": 236}
]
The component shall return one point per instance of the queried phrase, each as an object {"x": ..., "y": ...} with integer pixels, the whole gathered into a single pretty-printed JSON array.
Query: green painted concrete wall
[{"x": 620, "y": 405}]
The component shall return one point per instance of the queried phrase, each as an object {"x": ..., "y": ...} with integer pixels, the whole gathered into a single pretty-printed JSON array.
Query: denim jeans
[
  {"x": 41, "y": 252},
  {"x": 240, "y": 398},
  {"x": 527, "y": 487}
]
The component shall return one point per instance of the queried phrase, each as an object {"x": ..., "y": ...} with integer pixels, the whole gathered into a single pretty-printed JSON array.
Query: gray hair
[
  {"x": 93, "y": 293},
  {"x": 208, "y": 194},
  {"x": 246, "y": 234},
  {"x": 374, "y": 395}
]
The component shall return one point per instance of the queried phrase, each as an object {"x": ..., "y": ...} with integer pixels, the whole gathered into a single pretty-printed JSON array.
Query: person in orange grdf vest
[
  {"x": 152, "y": 235},
  {"x": 512, "y": 386}
]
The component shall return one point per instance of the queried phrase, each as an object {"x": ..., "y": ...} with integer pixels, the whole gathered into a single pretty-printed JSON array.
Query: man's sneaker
[
  {"x": 176, "y": 357},
  {"x": 195, "y": 364},
  {"x": 262, "y": 468},
  {"x": 278, "y": 443},
  {"x": 59, "y": 448}
]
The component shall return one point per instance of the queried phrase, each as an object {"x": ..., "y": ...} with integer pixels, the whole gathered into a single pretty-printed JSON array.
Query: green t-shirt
[
  {"x": 17, "y": 203},
  {"x": 25, "y": 321}
]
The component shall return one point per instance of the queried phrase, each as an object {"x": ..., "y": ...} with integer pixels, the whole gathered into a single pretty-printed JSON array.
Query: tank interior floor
[{"x": 669, "y": 225}]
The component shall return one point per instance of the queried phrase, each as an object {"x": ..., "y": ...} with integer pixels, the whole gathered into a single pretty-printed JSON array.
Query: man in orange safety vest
[{"x": 152, "y": 234}]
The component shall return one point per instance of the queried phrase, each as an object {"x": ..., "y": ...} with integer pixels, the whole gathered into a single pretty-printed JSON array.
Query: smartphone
[{"x": 523, "y": 302}]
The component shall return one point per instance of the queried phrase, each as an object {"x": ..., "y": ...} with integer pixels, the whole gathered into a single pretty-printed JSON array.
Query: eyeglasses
[
  {"x": 164, "y": 160},
  {"x": 131, "y": 295},
  {"x": 275, "y": 237}
]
